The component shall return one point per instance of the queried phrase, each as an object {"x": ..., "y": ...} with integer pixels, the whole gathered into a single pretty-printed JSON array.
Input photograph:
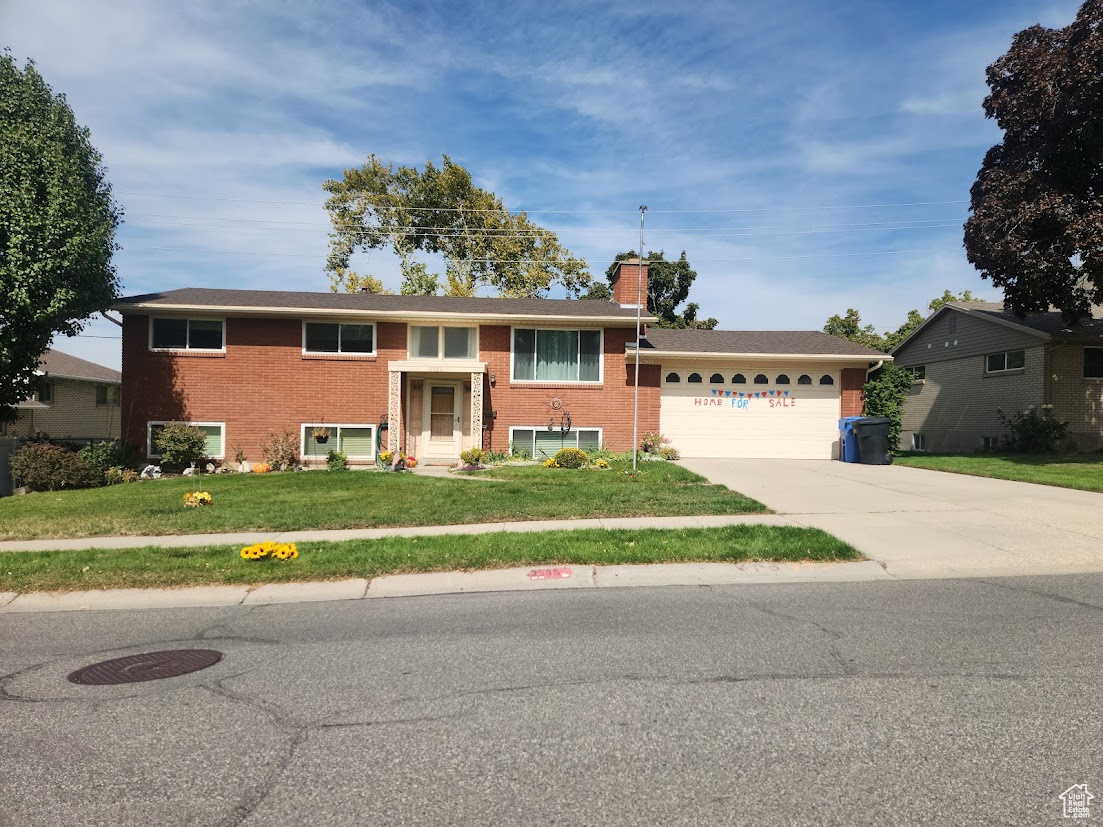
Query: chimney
[{"x": 629, "y": 277}]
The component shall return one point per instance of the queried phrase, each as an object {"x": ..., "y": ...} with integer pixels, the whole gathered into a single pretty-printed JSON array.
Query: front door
[{"x": 442, "y": 420}]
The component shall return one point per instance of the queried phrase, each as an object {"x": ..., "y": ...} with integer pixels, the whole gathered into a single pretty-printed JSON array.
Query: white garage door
[{"x": 751, "y": 413}]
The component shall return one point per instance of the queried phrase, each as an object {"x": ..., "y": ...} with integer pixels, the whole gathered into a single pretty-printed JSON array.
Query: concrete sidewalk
[{"x": 924, "y": 524}]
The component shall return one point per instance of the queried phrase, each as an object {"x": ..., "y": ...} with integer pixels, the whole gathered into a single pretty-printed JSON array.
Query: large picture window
[
  {"x": 187, "y": 334},
  {"x": 354, "y": 441},
  {"x": 540, "y": 443},
  {"x": 338, "y": 337},
  {"x": 214, "y": 446},
  {"x": 556, "y": 355},
  {"x": 1009, "y": 360},
  {"x": 437, "y": 342}
]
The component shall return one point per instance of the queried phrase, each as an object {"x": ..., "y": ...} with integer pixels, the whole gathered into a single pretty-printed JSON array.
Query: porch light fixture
[{"x": 493, "y": 379}]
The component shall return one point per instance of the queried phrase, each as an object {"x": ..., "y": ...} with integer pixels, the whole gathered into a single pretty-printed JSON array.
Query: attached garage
[{"x": 756, "y": 394}]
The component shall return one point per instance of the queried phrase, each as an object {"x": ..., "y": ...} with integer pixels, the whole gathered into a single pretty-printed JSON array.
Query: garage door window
[
  {"x": 804, "y": 379},
  {"x": 782, "y": 380},
  {"x": 673, "y": 378},
  {"x": 826, "y": 379},
  {"x": 716, "y": 379},
  {"x": 695, "y": 378},
  {"x": 739, "y": 379},
  {"x": 761, "y": 379}
]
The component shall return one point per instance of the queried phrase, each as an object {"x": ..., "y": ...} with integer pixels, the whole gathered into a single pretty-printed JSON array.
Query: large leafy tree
[
  {"x": 849, "y": 325},
  {"x": 1036, "y": 228},
  {"x": 668, "y": 284},
  {"x": 57, "y": 227},
  {"x": 441, "y": 211}
]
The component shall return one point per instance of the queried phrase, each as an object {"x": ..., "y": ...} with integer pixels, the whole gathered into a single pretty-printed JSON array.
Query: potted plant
[{"x": 320, "y": 434}]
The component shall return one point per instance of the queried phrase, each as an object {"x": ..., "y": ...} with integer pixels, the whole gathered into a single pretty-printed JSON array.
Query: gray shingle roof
[
  {"x": 62, "y": 364},
  {"x": 795, "y": 342},
  {"x": 1049, "y": 322},
  {"x": 368, "y": 302}
]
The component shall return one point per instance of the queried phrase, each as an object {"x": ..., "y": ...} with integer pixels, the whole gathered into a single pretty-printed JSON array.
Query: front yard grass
[
  {"x": 1083, "y": 471},
  {"x": 364, "y": 499},
  {"x": 151, "y": 567}
]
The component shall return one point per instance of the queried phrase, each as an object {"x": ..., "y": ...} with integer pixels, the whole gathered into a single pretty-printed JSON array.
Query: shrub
[
  {"x": 180, "y": 445},
  {"x": 667, "y": 452},
  {"x": 884, "y": 396},
  {"x": 651, "y": 442},
  {"x": 571, "y": 458},
  {"x": 473, "y": 456},
  {"x": 113, "y": 454},
  {"x": 550, "y": 463},
  {"x": 1034, "y": 431},
  {"x": 601, "y": 463},
  {"x": 45, "y": 467},
  {"x": 337, "y": 461},
  {"x": 281, "y": 451},
  {"x": 116, "y": 474}
]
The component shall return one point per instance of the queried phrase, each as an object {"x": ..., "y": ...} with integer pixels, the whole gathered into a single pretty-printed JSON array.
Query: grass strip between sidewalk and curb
[
  {"x": 274, "y": 503},
  {"x": 152, "y": 567},
  {"x": 1080, "y": 471}
]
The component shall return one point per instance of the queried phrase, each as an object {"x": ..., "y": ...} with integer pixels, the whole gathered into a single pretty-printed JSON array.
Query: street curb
[{"x": 439, "y": 583}]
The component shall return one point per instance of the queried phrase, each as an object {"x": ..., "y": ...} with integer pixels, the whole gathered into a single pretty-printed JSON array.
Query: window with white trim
[
  {"x": 542, "y": 443},
  {"x": 339, "y": 337},
  {"x": 541, "y": 355},
  {"x": 215, "y": 432},
  {"x": 1008, "y": 360},
  {"x": 354, "y": 441},
  {"x": 440, "y": 342},
  {"x": 916, "y": 372},
  {"x": 107, "y": 394},
  {"x": 919, "y": 442},
  {"x": 187, "y": 334}
]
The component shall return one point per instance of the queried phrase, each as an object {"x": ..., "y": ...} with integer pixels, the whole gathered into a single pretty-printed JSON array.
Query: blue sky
[{"x": 808, "y": 156}]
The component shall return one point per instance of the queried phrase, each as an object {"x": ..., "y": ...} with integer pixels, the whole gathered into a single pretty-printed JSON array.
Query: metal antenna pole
[{"x": 639, "y": 312}]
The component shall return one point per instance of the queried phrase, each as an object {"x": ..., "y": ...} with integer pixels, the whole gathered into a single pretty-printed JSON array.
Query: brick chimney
[{"x": 629, "y": 276}]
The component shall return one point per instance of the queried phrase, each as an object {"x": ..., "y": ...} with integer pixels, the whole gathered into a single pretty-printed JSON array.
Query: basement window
[{"x": 919, "y": 442}]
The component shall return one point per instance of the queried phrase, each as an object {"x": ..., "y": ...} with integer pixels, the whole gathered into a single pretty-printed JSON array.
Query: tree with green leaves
[
  {"x": 442, "y": 211},
  {"x": 668, "y": 284},
  {"x": 1036, "y": 223},
  {"x": 850, "y": 327},
  {"x": 57, "y": 227}
]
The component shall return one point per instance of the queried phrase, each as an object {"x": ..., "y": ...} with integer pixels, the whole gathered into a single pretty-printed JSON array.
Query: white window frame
[
  {"x": 911, "y": 369},
  {"x": 600, "y": 356},
  {"x": 574, "y": 430},
  {"x": 440, "y": 342},
  {"x": 1005, "y": 354},
  {"x": 149, "y": 435},
  {"x": 186, "y": 348},
  {"x": 339, "y": 352},
  {"x": 919, "y": 442},
  {"x": 336, "y": 429}
]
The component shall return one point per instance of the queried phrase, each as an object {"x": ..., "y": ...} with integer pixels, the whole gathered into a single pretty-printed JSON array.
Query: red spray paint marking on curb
[{"x": 549, "y": 574}]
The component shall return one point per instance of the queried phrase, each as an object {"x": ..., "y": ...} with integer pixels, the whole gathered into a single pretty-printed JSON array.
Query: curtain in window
[
  {"x": 589, "y": 368},
  {"x": 557, "y": 355},
  {"x": 524, "y": 350}
]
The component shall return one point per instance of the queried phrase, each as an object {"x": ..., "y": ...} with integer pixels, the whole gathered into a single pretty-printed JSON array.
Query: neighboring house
[
  {"x": 970, "y": 360},
  {"x": 433, "y": 375},
  {"x": 74, "y": 399}
]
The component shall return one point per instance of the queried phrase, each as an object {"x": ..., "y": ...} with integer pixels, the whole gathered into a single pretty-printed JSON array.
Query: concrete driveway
[{"x": 919, "y": 523}]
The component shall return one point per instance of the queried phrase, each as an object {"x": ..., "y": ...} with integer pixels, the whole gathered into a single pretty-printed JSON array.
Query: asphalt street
[{"x": 935, "y": 702}]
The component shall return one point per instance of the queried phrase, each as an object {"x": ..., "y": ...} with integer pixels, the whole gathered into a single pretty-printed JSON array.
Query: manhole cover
[{"x": 146, "y": 667}]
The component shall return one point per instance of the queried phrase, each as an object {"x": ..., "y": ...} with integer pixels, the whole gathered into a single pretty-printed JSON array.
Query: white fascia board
[
  {"x": 385, "y": 315},
  {"x": 659, "y": 357},
  {"x": 437, "y": 366}
]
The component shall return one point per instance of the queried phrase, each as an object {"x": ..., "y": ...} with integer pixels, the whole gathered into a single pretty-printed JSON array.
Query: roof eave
[
  {"x": 1022, "y": 328},
  {"x": 397, "y": 315}
]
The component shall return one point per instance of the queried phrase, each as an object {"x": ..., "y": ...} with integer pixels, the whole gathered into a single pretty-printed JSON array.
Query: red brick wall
[
  {"x": 852, "y": 400},
  {"x": 626, "y": 286},
  {"x": 607, "y": 406},
  {"x": 263, "y": 383}
]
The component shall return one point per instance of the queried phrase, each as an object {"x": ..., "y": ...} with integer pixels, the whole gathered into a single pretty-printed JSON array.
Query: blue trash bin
[{"x": 848, "y": 440}]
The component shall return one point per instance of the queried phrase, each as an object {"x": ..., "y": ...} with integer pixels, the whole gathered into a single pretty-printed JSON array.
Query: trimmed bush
[
  {"x": 571, "y": 458},
  {"x": 666, "y": 452},
  {"x": 180, "y": 445},
  {"x": 1034, "y": 431},
  {"x": 473, "y": 456},
  {"x": 281, "y": 451},
  {"x": 337, "y": 461},
  {"x": 116, "y": 475},
  {"x": 45, "y": 467}
]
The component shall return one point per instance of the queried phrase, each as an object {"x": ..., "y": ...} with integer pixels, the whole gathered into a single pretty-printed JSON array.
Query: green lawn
[
  {"x": 364, "y": 499},
  {"x": 1083, "y": 471},
  {"x": 158, "y": 567}
]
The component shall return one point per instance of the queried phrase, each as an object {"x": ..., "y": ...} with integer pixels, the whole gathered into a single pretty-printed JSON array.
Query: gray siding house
[
  {"x": 972, "y": 359},
  {"x": 75, "y": 399}
]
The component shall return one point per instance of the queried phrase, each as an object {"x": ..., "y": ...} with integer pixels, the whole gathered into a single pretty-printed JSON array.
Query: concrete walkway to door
[{"x": 920, "y": 523}]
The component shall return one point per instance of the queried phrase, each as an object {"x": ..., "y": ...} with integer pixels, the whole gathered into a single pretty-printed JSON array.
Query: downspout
[{"x": 876, "y": 367}]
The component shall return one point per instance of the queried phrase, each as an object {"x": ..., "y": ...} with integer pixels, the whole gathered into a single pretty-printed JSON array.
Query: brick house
[
  {"x": 433, "y": 375},
  {"x": 972, "y": 359},
  {"x": 74, "y": 399}
]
